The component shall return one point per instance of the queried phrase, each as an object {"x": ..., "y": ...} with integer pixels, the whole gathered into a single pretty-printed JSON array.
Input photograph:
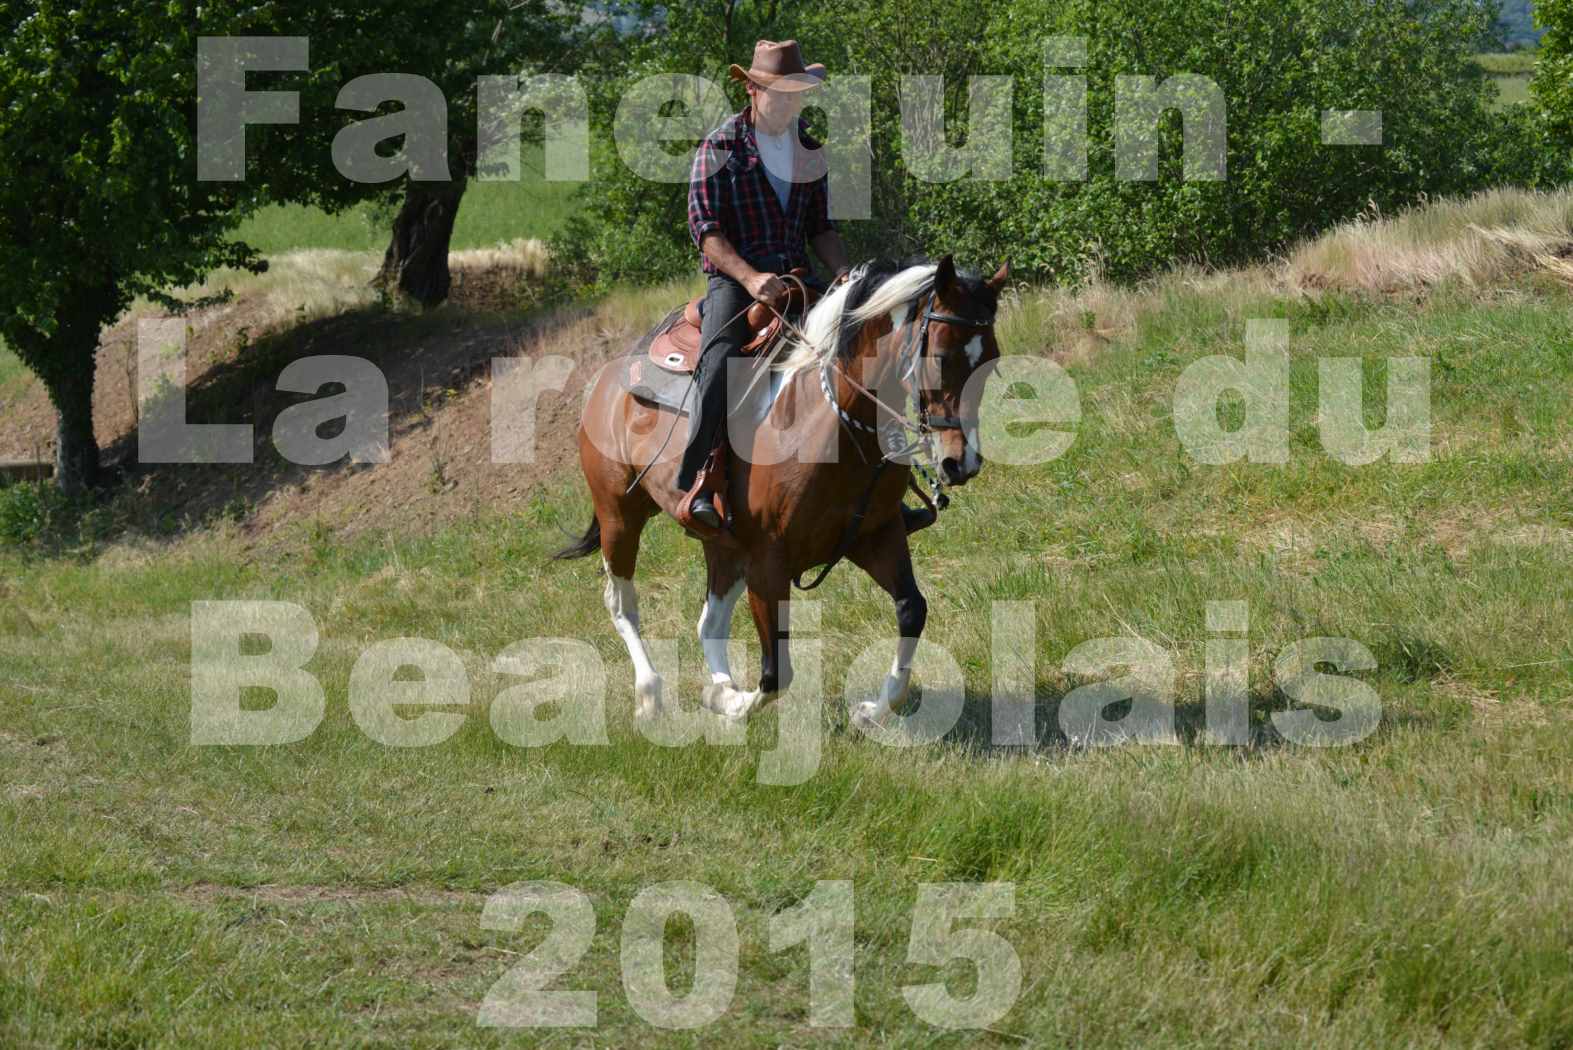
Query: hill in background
[{"x": 1516, "y": 25}]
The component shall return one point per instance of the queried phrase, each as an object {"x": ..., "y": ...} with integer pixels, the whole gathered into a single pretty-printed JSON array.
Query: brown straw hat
[{"x": 779, "y": 65}]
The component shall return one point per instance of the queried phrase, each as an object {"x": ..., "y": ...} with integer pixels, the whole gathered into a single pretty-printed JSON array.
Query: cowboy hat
[{"x": 779, "y": 65}]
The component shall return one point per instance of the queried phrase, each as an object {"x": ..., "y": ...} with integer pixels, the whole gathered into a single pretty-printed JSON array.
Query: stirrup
[{"x": 710, "y": 480}]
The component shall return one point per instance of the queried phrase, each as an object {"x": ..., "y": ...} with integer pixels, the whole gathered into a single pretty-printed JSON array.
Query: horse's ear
[
  {"x": 997, "y": 282},
  {"x": 945, "y": 276}
]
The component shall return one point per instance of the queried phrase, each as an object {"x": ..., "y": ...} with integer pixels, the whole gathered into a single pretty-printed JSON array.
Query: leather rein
[{"x": 914, "y": 351}]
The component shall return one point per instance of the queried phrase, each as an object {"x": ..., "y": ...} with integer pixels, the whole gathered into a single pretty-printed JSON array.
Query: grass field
[
  {"x": 1413, "y": 889},
  {"x": 12, "y": 372},
  {"x": 1511, "y": 72},
  {"x": 491, "y": 213}
]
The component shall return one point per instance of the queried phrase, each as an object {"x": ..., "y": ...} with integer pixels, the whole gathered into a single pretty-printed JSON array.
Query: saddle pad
[{"x": 644, "y": 379}]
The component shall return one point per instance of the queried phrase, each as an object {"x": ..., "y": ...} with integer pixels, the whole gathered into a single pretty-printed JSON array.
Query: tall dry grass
[{"x": 1474, "y": 241}]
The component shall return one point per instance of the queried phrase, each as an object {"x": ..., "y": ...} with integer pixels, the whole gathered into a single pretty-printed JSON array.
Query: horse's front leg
[
  {"x": 768, "y": 593},
  {"x": 885, "y": 556},
  {"x": 724, "y": 585}
]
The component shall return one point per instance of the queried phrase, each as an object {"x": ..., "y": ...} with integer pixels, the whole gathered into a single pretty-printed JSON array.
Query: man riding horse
[
  {"x": 884, "y": 371},
  {"x": 750, "y": 215}
]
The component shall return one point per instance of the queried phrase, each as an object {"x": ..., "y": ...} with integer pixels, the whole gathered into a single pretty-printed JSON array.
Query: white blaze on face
[
  {"x": 972, "y": 456},
  {"x": 974, "y": 350}
]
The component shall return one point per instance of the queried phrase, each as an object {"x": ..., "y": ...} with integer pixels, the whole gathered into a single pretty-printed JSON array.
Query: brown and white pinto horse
[{"x": 806, "y": 458}]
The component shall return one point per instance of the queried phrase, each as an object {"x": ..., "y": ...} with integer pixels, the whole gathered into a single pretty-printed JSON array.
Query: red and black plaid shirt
[{"x": 729, "y": 191}]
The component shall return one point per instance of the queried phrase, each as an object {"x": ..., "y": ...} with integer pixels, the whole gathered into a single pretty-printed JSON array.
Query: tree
[
  {"x": 498, "y": 37},
  {"x": 1277, "y": 65},
  {"x": 633, "y": 229},
  {"x": 1552, "y": 86},
  {"x": 99, "y": 139}
]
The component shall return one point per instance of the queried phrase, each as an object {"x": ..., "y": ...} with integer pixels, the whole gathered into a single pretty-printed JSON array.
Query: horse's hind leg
[{"x": 619, "y": 553}]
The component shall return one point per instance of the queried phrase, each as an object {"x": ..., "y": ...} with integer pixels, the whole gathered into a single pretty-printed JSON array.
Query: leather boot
[{"x": 704, "y": 511}]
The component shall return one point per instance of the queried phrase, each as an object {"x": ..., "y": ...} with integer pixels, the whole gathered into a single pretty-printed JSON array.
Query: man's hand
[{"x": 766, "y": 287}]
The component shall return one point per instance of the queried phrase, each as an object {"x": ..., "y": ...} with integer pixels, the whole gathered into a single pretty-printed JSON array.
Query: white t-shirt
[{"x": 775, "y": 152}]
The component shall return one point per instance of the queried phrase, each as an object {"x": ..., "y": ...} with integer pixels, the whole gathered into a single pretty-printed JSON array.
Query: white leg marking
[
  {"x": 715, "y": 627},
  {"x": 893, "y": 693},
  {"x": 728, "y": 701},
  {"x": 622, "y": 601}
]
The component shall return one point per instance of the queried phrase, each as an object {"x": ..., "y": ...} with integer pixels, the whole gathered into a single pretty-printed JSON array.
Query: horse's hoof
[
  {"x": 728, "y": 701},
  {"x": 712, "y": 696},
  {"x": 647, "y": 699},
  {"x": 870, "y": 716}
]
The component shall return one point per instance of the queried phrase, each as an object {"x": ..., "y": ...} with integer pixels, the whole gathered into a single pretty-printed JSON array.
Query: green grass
[
  {"x": 1414, "y": 889},
  {"x": 491, "y": 213},
  {"x": 13, "y": 374},
  {"x": 1512, "y": 90},
  {"x": 1511, "y": 63},
  {"x": 1511, "y": 73}
]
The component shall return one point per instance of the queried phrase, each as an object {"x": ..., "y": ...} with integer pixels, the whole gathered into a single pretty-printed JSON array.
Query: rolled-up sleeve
[{"x": 704, "y": 199}]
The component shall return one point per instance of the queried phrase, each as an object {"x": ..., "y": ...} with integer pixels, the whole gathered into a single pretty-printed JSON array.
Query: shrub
[
  {"x": 1552, "y": 85},
  {"x": 38, "y": 513},
  {"x": 1279, "y": 65}
]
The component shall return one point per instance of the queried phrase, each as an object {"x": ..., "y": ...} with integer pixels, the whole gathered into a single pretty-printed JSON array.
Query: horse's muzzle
[{"x": 958, "y": 472}]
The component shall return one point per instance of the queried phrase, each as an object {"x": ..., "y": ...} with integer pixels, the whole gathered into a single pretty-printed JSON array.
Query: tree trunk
[
  {"x": 65, "y": 361},
  {"x": 416, "y": 262},
  {"x": 76, "y": 446}
]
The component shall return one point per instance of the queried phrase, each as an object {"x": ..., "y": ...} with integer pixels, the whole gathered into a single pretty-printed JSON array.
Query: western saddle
[{"x": 676, "y": 347}]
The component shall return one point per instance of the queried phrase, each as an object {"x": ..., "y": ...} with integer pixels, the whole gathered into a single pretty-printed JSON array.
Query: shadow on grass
[
  {"x": 426, "y": 359},
  {"x": 994, "y": 730}
]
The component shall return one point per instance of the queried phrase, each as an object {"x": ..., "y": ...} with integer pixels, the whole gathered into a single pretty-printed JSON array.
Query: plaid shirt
[{"x": 730, "y": 192}]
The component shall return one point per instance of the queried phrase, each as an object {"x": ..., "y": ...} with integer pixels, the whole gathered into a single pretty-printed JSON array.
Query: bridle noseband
[
  {"x": 891, "y": 446},
  {"x": 919, "y": 346}
]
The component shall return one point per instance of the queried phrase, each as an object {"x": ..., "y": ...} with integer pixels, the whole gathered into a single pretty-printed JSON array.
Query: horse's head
[{"x": 953, "y": 331}]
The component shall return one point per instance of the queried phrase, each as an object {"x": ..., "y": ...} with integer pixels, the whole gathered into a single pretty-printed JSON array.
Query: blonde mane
[{"x": 826, "y": 321}]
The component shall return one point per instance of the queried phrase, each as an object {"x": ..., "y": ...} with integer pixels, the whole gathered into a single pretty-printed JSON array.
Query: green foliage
[
  {"x": 625, "y": 229},
  {"x": 1278, "y": 65},
  {"x": 98, "y": 136},
  {"x": 628, "y": 228},
  {"x": 1514, "y": 28},
  {"x": 36, "y": 514},
  {"x": 1521, "y": 147},
  {"x": 1552, "y": 87}
]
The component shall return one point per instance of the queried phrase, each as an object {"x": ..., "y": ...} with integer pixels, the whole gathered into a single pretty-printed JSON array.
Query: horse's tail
[{"x": 586, "y": 545}]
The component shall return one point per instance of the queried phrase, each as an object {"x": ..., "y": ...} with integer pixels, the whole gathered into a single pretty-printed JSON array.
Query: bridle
[
  {"x": 920, "y": 344},
  {"x": 892, "y": 442},
  {"x": 914, "y": 351}
]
